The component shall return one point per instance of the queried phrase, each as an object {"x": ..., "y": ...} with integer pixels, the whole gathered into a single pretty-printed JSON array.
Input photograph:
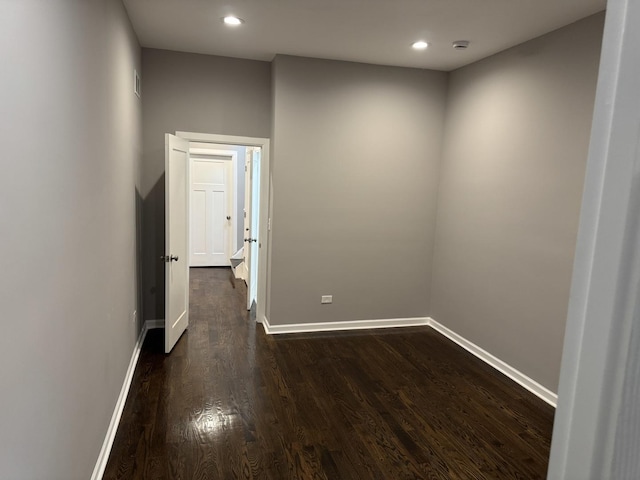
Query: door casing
[{"x": 264, "y": 235}]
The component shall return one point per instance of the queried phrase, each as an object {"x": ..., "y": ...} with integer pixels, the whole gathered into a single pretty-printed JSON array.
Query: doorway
[
  {"x": 249, "y": 226},
  {"x": 213, "y": 204}
]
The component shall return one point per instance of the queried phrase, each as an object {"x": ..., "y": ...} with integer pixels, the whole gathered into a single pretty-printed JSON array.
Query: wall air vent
[{"x": 136, "y": 83}]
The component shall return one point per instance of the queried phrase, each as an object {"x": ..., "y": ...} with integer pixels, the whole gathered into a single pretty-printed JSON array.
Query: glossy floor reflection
[{"x": 232, "y": 403}]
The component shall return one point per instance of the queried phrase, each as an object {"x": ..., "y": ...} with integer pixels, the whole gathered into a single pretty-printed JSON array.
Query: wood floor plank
[{"x": 233, "y": 403}]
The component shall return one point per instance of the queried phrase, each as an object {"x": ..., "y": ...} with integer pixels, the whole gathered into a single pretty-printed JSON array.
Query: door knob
[
  {"x": 173, "y": 258},
  {"x": 169, "y": 258}
]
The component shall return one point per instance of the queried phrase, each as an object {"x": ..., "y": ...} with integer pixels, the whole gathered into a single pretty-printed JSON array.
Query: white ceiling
[{"x": 369, "y": 31}]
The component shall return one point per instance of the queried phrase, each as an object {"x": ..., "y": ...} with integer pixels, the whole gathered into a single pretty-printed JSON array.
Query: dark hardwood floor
[{"x": 231, "y": 402}]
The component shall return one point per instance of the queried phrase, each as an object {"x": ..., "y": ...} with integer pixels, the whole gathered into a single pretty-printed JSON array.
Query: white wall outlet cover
[{"x": 326, "y": 299}]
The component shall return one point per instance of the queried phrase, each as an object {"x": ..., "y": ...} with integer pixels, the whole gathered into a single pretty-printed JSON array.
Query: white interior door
[
  {"x": 247, "y": 223},
  {"x": 255, "y": 225},
  {"x": 211, "y": 216},
  {"x": 176, "y": 240}
]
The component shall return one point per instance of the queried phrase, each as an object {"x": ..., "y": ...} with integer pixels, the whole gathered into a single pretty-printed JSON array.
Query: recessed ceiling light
[
  {"x": 420, "y": 45},
  {"x": 231, "y": 20}
]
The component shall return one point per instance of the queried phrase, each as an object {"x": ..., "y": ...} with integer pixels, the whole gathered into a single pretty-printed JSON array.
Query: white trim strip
[
  {"x": 224, "y": 139},
  {"x": 103, "y": 457},
  {"x": 504, "y": 368},
  {"x": 347, "y": 325}
]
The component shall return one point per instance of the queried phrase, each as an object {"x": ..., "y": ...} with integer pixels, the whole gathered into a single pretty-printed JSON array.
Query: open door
[
  {"x": 176, "y": 241},
  {"x": 255, "y": 226},
  {"x": 251, "y": 222},
  {"x": 247, "y": 222}
]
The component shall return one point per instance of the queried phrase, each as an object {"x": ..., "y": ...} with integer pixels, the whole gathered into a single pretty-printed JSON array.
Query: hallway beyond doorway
[{"x": 232, "y": 402}]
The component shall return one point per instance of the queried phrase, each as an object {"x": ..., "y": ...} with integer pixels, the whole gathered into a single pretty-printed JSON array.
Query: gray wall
[
  {"x": 515, "y": 151},
  {"x": 355, "y": 165},
  {"x": 69, "y": 200},
  {"x": 196, "y": 93}
]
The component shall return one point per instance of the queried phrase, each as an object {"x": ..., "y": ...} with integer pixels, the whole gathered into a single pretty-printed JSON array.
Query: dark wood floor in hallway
[{"x": 233, "y": 403}]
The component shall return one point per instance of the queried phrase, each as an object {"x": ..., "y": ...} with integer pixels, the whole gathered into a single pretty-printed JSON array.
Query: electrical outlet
[{"x": 326, "y": 299}]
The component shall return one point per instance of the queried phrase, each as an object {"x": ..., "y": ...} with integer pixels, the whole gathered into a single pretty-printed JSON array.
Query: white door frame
[
  {"x": 265, "y": 189},
  {"x": 597, "y": 423},
  {"x": 233, "y": 158}
]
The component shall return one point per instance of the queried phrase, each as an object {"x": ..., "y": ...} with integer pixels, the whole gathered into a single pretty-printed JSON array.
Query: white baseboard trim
[
  {"x": 517, "y": 376},
  {"x": 504, "y": 368},
  {"x": 103, "y": 457},
  {"x": 346, "y": 325}
]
